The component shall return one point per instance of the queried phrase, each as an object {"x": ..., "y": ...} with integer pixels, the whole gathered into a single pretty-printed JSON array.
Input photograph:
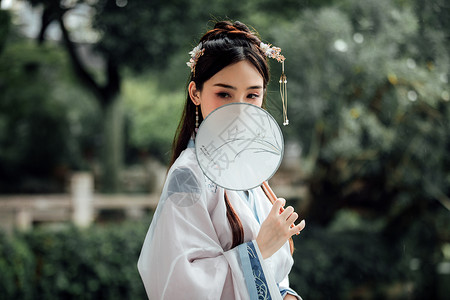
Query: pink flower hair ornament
[
  {"x": 272, "y": 52},
  {"x": 195, "y": 55}
]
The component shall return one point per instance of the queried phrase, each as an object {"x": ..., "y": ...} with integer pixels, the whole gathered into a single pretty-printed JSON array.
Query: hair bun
[
  {"x": 235, "y": 30},
  {"x": 241, "y": 26},
  {"x": 228, "y": 26}
]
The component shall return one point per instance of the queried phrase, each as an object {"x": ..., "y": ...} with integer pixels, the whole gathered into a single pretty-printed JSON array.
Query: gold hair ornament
[{"x": 275, "y": 53}]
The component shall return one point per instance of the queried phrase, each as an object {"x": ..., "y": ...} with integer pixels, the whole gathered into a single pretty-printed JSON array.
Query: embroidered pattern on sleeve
[{"x": 253, "y": 272}]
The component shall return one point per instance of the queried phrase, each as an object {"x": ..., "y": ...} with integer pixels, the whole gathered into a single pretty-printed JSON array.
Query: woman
[{"x": 206, "y": 242}]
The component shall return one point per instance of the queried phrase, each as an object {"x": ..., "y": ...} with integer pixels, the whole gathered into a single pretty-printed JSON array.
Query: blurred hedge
[
  {"x": 340, "y": 262},
  {"x": 70, "y": 263},
  {"x": 354, "y": 259}
]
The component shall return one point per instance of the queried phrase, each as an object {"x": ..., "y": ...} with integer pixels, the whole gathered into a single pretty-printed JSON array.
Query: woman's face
[{"x": 239, "y": 82}]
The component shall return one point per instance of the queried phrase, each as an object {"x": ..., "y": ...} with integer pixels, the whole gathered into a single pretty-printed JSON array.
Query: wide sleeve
[
  {"x": 285, "y": 289},
  {"x": 182, "y": 257}
]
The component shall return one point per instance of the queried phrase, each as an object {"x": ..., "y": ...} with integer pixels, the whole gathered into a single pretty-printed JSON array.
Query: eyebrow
[{"x": 227, "y": 86}]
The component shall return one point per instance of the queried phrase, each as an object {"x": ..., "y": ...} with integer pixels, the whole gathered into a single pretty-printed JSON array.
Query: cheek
[
  {"x": 259, "y": 102},
  {"x": 209, "y": 105}
]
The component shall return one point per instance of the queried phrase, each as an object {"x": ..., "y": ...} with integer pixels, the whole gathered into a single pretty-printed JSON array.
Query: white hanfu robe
[{"x": 187, "y": 251}]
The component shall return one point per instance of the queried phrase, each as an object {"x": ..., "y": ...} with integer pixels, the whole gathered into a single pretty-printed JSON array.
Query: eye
[
  {"x": 223, "y": 95},
  {"x": 253, "y": 96}
]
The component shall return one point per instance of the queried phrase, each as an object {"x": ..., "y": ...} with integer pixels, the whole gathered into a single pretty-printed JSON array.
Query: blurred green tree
[
  {"x": 160, "y": 34},
  {"x": 368, "y": 111},
  {"x": 370, "y": 105},
  {"x": 44, "y": 128},
  {"x": 368, "y": 98},
  {"x": 106, "y": 89},
  {"x": 152, "y": 121},
  {"x": 157, "y": 31},
  {"x": 5, "y": 23}
]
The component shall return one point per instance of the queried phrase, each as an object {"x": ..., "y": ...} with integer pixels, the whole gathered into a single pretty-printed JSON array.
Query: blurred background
[{"x": 90, "y": 96}]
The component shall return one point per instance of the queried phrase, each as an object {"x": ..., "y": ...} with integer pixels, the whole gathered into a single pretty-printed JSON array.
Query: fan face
[{"x": 239, "y": 146}]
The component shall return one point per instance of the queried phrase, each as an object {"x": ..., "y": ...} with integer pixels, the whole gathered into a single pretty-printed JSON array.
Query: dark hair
[{"x": 226, "y": 44}]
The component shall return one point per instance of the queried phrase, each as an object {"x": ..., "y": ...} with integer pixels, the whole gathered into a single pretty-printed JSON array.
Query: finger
[
  {"x": 287, "y": 212},
  {"x": 299, "y": 227},
  {"x": 277, "y": 205},
  {"x": 291, "y": 219},
  {"x": 283, "y": 201}
]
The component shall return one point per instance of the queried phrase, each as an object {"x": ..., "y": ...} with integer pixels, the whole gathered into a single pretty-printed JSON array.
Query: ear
[{"x": 194, "y": 94}]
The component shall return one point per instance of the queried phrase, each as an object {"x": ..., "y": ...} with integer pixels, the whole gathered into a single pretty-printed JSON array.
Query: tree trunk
[
  {"x": 112, "y": 145},
  {"x": 108, "y": 96}
]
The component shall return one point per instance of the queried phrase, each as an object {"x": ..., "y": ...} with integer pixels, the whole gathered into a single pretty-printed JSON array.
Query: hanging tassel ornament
[
  {"x": 275, "y": 53},
  {"x": 283, "y": 93},
  {"x": 196, "y": 118}
]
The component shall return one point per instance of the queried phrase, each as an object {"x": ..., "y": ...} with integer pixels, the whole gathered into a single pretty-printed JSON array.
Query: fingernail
[{"x": 302, "y": 222}]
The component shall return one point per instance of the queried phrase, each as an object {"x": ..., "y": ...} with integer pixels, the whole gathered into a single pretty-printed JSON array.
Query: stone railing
[{"x": 80, "y": 206}]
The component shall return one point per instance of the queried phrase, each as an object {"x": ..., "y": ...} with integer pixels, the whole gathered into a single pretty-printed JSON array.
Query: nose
[{"x": 240, "y": 99}]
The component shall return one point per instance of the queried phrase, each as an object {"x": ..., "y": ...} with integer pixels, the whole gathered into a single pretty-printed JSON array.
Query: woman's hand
[{"x": 277, "y": 228}]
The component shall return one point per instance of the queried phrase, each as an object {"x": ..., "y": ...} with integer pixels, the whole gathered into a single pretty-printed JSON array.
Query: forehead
[{"x": 242, "y": 73}]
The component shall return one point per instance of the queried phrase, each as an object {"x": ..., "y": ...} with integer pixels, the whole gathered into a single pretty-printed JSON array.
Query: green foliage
[
  {"x": 45, "y": 122},
  {"x": 158, "y": 31},
  {"x": 333, "y": 265},
  {"x": 153, "y": 115},
  {"x": 349, "y": 260},
  {"x": 16, "y": 263},
  {"x": 357, "y": 262},
  {"x": 96, "y": 263},
  {"x": 368, "y": 101},
  {"x": 368, "y": 111},
  {"x": 99, "y": 263},
  {"x": 5, "y": 24}
]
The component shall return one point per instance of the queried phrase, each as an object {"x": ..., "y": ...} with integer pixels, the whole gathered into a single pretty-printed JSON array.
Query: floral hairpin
[
  {"x": 195, "y": 55},
  {"x": 272, "y": 52},
  {"x": 275, "y": 53}
]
